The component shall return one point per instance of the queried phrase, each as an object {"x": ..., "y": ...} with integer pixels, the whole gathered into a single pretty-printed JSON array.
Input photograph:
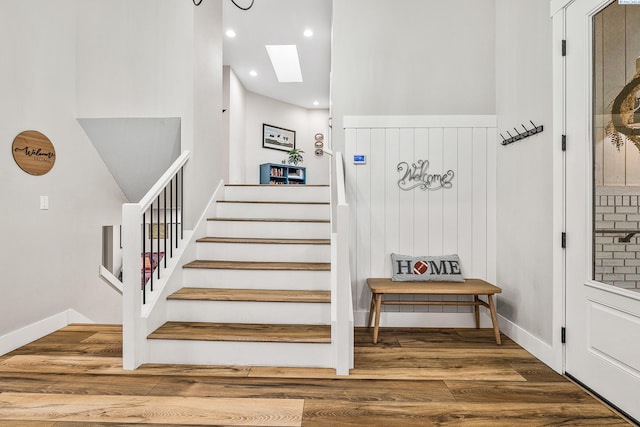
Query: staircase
[{"x": 259, "y": 291}]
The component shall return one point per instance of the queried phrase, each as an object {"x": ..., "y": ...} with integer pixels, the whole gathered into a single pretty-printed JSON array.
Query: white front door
[{"x": 602, "y": 190}]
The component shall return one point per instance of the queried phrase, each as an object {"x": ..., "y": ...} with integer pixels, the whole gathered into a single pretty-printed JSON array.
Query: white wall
[
  {"x": 235, "y": 120},
  {"x": 261, "y": 109},
  {"x": 426, "y": 57},
  {"x": 50, "y": 258},
  {"x": 137, "y": 151},
  {"x": 109, "y": 58},
  {"x": 524, "y": 92},
  {"x": 385, "y": 219},
  {"x": 158, "y": 58}
]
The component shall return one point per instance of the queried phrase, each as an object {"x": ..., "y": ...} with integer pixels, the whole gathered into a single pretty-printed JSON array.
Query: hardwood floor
[{"x": 412, "y": 377}]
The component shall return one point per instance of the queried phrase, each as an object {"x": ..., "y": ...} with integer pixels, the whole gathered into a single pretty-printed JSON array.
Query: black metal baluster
[
  {"x": 182, "y": 203},
  {"x": 164, "y": 228},
  {"x": 151, "y": 252},
  {"x": 144, "y": 249},
  {"x": 158, "y": 237},
  {"x": 171, "y": 224},
  {"x": 177, "y": 208}
]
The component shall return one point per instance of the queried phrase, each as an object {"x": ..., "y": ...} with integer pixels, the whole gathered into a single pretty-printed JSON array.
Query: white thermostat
[{"x": 359, "y": 159}]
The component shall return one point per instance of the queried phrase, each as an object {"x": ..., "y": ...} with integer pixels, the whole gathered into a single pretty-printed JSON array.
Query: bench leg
[
  {"x": 476, "y": 309},
  {"x": 494, "y": 319},
  {"x": 377, "y": 325},
  {"x": 371, "y": 309}
]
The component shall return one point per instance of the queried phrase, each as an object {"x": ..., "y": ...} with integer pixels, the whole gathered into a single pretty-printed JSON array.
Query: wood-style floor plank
[
  {"x": 295, "y": 388},
  {"x": 78, "y": 384},
  {"x": 443, "y": 372},
  {"x": 500, "y": 391},
  {"x": 151, "y": 409},
  {"x": 339, "y": 413},
  {"x": 535, "y": 371},
  {"x": 107, "y": 366}
]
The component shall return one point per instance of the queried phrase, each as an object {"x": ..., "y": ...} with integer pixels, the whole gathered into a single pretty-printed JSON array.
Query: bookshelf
[{"x": 278, "y": 173}]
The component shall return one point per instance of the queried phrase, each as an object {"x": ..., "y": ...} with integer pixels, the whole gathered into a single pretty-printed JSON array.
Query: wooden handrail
[{"x": 166, "y": 177}]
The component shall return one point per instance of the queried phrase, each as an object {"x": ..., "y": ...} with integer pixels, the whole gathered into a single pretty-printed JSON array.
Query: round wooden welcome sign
[{"x": 33, "y": 152}]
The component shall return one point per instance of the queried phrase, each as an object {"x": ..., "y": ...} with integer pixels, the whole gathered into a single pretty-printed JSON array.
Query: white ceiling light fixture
[
  {"x": 253, "y": 73},
  {"x": 316, "y": 103},
  {"x": 308, "y": 32},
  {"x": 286, "y": 63},
  {"x": 230, "y": 33}
]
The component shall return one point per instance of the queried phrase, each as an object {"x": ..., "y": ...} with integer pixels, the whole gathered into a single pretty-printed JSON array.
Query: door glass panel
[{"x": 616, "y": 146}]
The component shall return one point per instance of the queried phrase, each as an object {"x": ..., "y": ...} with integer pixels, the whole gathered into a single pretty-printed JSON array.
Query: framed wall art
[{"x": 278, "y": 138}]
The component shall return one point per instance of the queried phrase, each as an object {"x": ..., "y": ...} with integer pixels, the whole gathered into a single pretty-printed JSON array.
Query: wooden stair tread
[
  {"x": 244, "y": 332},
  {"x": 255, "y": 265},
  {"x": 264, "y": 241},
  {"x": 272, "y": 202},
  {"x": 256, "y": 295},
  {"x": 269, "y": 220}
]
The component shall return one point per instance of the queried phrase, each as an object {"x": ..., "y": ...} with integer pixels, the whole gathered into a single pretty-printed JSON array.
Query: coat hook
[{"x": 519, "y": 136}]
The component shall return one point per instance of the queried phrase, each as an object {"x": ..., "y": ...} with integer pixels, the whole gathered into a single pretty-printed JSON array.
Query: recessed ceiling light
[
  {"x": 253, "y": 73},
  {"x": 230, "y": 33},
  {"x": 308, "y": 32},
  {"x": 316, "y": 103},
  {"x": 286, "y": 63}
]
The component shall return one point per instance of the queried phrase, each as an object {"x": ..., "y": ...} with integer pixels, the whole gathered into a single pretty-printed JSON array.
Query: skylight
[{"x": 286, "y": 63}]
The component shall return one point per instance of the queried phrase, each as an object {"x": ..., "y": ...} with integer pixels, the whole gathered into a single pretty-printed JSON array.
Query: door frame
[{"x": 559, "y": 17}]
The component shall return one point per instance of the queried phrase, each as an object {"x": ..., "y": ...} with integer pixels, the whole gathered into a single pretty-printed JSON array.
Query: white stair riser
[
  {"x": 277, "y": 193},
  {"x": 249, "y": 312},
  {"x": 239, "y": 353},
  {"x": 264, "y": 252},
  {"x": 262, "y": 229},
  {"x": 256, "y": 279},
  {"x": 272, "y": 210}
]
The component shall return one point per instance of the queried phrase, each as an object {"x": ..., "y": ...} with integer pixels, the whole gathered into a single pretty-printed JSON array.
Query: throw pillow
[{"x": 445, "y": 268}]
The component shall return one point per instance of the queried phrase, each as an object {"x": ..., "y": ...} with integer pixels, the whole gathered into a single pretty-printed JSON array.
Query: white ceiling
[{"x": 280, "y": 22}]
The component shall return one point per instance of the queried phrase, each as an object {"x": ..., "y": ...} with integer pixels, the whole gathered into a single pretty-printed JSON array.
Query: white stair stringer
[{"x": 250, "y": 213}]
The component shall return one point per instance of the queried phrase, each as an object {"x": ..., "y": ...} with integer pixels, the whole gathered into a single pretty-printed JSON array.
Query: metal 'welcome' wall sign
[{"x": 417, "y": 175}]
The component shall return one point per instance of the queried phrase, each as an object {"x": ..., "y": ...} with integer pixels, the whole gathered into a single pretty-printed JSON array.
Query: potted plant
[{"x": 295, "y": 156}]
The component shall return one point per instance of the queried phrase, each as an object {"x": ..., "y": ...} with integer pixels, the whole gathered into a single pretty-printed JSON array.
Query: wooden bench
[{"x": 475, "y": 287}]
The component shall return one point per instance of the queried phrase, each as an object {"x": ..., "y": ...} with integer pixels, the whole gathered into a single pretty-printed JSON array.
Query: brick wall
[{"x": 616, "y": 262}]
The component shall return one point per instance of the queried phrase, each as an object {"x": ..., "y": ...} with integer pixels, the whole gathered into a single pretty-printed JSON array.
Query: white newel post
[
  {"x": 133, "y": 334},
  {"x": 344, "y": 309}
]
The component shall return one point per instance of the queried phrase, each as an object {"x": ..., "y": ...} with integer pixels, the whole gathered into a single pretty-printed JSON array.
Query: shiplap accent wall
[{"x": 386, "y": 219}]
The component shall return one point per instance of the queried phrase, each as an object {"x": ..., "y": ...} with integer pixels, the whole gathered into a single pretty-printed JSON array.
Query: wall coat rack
[{"x": 527, "y": 133}]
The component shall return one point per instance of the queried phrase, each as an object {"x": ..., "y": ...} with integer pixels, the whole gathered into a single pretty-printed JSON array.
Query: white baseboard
[
  {"x": 37, "y": 330},
  {"x": 529, "y": 342}
]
